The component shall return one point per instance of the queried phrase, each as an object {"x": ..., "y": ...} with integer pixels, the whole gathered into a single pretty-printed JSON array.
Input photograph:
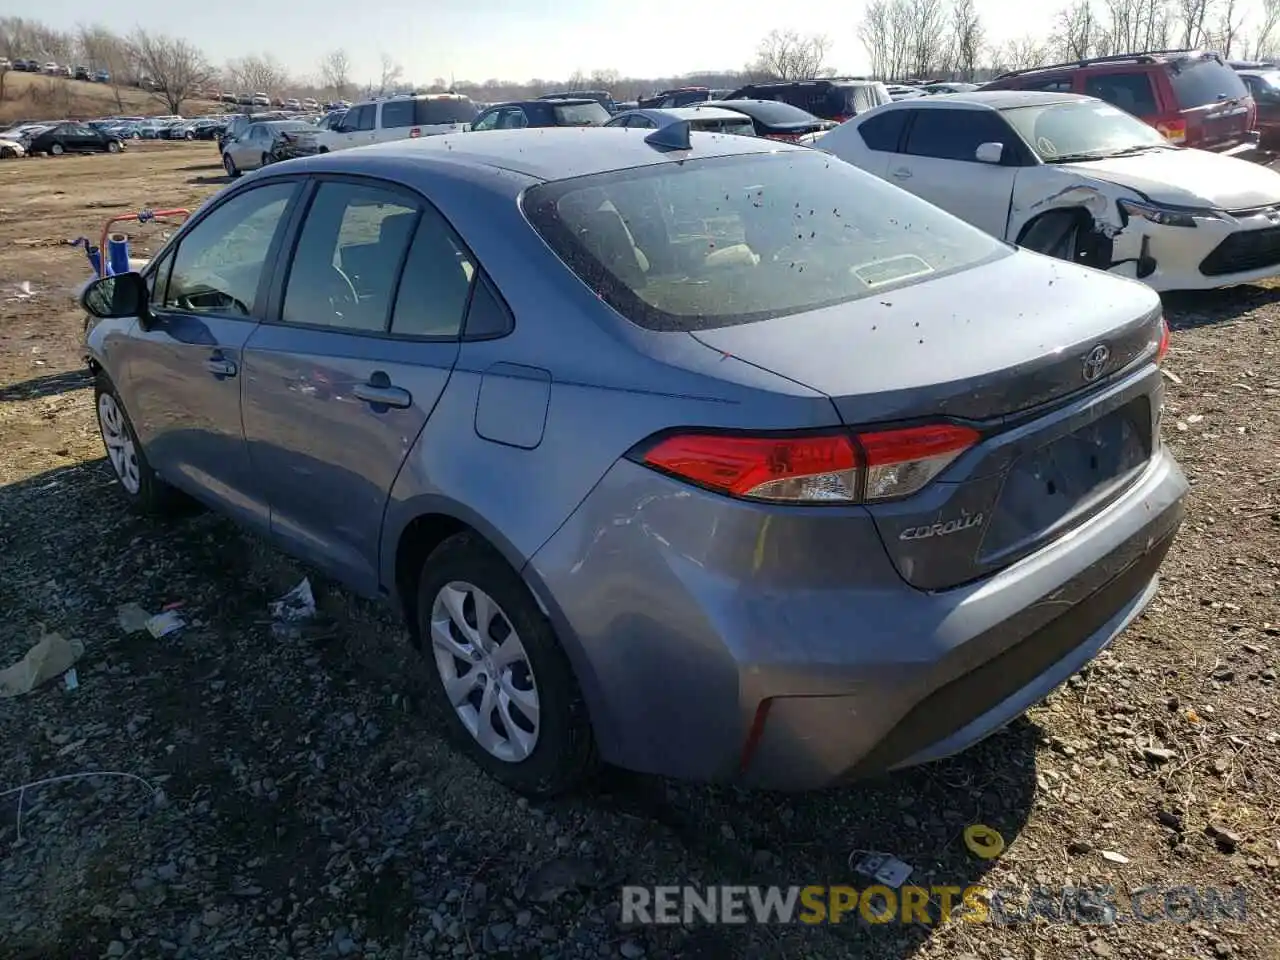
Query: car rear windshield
[
  {"x": 451, "y": 110},
  {"x": 863, "y": 96},
  {"x": 710, "y": 243},
  {"x": 580, "y": 114},
  {"x": 1197, "y": 83}
]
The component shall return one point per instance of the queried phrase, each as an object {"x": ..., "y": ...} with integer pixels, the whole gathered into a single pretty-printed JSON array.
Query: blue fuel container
[{"x": 117, "y": 253}]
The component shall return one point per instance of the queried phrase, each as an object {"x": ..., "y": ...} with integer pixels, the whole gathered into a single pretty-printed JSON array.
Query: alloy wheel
[
  {"x": 119, "y": 444},
  {"x": 485, "y": 671}
]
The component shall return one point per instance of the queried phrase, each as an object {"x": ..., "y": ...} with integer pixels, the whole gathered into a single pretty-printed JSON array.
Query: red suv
[{"x": 1192, "y": 97}]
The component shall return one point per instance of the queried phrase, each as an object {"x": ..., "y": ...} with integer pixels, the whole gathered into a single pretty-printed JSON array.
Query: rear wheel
[
  {"x": 56, "y": 149},
  {"x": 266, "y": 159},
  {"x": 113, "y": 146},
  {"x": 507, "y": 689}
]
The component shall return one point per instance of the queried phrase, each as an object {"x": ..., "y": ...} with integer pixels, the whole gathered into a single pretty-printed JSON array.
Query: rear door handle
[
  {"x": 386, "y": 396},
  {"x": 220, "y": 366},
  {"x": 902, "y": 173}
]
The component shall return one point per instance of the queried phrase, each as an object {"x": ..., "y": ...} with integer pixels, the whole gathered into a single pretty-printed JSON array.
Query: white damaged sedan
[{"x": 1076, "y": 178}]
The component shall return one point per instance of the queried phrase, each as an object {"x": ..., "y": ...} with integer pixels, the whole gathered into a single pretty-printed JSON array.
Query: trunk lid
[{"x": 1012, "y": 348}]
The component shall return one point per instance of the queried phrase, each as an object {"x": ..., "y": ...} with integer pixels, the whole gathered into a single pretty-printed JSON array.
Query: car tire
[
  {"x": 230, "y": 166},
  {"x": 559, "y": 753},
  {"x": 113, "y": 146},
  {"x": 323, "y": 150},
  {"x": 140, "y": 484},
  {"x": 1056, "y": 234},
  {"x": 56, "y": 149},
  {"x": 266, "y": 160},
  {"x": 189, "y": 135},
  {"x": 7, "y": 153}
]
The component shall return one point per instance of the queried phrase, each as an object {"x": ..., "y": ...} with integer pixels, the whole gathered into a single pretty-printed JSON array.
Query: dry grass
[{"x": 31, "y": 96}]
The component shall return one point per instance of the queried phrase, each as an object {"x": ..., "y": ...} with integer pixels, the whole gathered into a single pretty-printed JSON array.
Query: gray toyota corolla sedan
[{"x": 716, "y": 458}]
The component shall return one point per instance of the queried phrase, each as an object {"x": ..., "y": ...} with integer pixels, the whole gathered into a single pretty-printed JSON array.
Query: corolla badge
[
  {"x": 1095, "y": 361},
  {"x": 943, "y": 529}
]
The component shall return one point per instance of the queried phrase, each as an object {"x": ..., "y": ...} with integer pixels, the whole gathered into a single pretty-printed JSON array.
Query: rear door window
[
  {"x": 1131, "y": 92},
  {"x": 883, "y": 132},
  {"x": 1198, "y": 83},
  {"x": 397, "y": 113},
  {"x": 581, "y": 115},
  {"x": 954, "y": 134},
  {"x": 1057, "y": 85},
  {"x": 447, "y": 110}
]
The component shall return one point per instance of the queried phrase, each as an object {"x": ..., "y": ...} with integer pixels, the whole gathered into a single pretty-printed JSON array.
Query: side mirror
[
  {"x": 989, "y": 153},
  {"x": 120, "y": 296}
]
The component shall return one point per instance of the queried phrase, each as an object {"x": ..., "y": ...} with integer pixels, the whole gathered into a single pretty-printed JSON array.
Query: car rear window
[
  {"x": 1197, "y": 83},
  {"x": 450, "y": 110},
  {"x": 580, "y": 114},
  {"x": 777, "y": 113},
  {"x": 710, "y": 243}
]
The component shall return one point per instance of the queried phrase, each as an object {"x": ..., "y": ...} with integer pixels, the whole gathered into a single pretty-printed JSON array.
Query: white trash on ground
[
  {"x": 51, "y": 656},
  {"x": 298, "y": 604}
]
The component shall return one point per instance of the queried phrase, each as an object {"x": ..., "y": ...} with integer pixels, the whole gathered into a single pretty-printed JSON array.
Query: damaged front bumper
[{"x": 1196, "y": 250}]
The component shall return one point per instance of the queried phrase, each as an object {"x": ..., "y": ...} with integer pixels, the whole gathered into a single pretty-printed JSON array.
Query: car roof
[
  {"x": 542, "y": 153},
  {"x": 993, "y": 99},
  {"x": 538, "y": 102}
]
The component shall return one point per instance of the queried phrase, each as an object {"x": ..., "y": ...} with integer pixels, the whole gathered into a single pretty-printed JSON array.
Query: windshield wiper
[
  {"x": 1073, "y": 157},
  {"x": 1138, "y": 148}
]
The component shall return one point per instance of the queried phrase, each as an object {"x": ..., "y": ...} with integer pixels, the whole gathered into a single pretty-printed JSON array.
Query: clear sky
[{"x": 507, "y": 39}]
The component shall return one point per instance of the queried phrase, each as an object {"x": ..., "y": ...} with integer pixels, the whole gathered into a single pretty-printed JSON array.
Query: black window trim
[
  {"x": 1017, "y": 153},
  {"x": 273, "y": 314},
  {"x": 271, "y": 262}
]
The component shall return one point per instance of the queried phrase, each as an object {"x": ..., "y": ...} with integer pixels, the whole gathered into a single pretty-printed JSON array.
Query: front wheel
[
  {"x": 113, "y": 146},
  {"x": 266, "y": 159},
  {"x": 142, "y": 487},
  {"x": 56, "y": 149},
  {"x": 230, "y": 166},
  {"x": 1055, "y": 235},
  {"x": 510, "y": 696}
]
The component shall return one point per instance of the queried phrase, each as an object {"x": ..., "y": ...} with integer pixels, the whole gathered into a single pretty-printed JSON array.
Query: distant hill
[{"x": 30, "y": 95}]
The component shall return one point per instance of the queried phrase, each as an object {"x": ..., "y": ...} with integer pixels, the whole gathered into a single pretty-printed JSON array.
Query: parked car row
[{"x": 52, "y": 69}]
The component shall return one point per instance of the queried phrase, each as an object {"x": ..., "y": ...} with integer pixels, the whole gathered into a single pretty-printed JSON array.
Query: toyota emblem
[{"x": 1095, "y": 362}]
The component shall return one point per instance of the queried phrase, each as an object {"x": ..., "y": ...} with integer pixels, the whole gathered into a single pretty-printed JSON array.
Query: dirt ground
[{"x": 300, "y": 801}]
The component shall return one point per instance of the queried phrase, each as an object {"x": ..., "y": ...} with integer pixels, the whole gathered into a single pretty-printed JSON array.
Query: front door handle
[
  {"x": 383, "y": 394},
  {"x": 902, "y": 173},
  {"x": 220, "y": 366}
]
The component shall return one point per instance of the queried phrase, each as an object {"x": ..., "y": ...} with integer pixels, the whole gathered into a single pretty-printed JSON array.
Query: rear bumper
[{"x": 683, "y": 612}]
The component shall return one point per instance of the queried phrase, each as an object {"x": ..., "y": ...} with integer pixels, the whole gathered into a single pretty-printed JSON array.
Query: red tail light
[
  {"x": 1175, "y": 131},
  {"x": 785, "y": 137},
  {"x": 808, "y": 468},
  {"x": 1162, "y": 351},
  {"x": 842, "y": 117},
  {"x": 415, "y": 132}
]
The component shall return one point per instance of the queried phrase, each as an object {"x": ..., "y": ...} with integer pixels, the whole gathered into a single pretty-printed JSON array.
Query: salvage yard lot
[{"x": 305, "y": 803}]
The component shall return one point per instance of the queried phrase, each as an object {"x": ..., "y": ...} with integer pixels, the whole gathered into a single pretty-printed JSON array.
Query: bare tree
[
  {"x": 390, "y": 75},
  {"x": 1264, "y": 39},
  {"x": 335, "y": 71},
  {"x": 1193, "y": 20},
  {"x": 1077, "y": 34},
  {"x": 927, "y": 20},
  {"x": 786, "y": 55},
  {"x": 1024, "y": 53},
  {"x": 174, "y": 66},
  {"x": 258, "y": 74},
  {"x": 967, "y": 38},
  {"x": 1230, "y": 20},
  {"x": 103, "y": 50}
]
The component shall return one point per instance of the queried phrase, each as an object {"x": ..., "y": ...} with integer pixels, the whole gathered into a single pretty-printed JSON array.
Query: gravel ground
[{"x": 294, "y": 795}]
